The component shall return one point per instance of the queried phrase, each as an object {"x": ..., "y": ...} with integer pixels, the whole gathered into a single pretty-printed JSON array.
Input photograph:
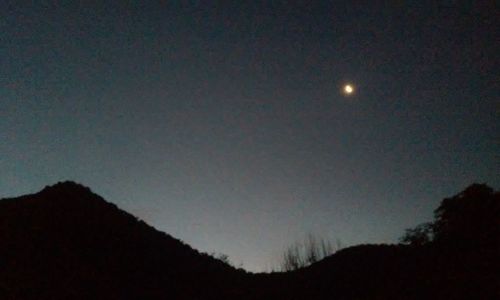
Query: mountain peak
[
  {"x": 67, "y": 187},
  {"x": 71, "y": 194}
]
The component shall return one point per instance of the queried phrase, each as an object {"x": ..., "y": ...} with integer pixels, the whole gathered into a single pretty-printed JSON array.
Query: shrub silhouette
[{"x": 302, "y": 254}]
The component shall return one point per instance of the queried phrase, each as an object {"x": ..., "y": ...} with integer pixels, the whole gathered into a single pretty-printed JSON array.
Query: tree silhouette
[{"x": 470, "y": 218}]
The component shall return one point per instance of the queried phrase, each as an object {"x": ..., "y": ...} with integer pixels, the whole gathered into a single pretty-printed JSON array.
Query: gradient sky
[{"x": 223, "y": 124}]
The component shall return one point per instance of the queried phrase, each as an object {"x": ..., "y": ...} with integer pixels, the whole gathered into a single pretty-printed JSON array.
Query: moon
[{"x": 348, "y": 89}]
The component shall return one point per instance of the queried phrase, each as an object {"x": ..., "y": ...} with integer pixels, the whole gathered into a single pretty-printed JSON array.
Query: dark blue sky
[{"x": 223, "y": 124}]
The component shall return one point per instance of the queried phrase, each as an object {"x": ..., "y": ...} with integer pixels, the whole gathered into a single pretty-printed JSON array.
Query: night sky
[{"x": 224, "y": 124}]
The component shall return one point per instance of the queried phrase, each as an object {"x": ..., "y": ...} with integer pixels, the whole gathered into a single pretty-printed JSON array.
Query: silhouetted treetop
[
  {"x": 469, "y": 218},
  {"x": 418, "y": 236}
]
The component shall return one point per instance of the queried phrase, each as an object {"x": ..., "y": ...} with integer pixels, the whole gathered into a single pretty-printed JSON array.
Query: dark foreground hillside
[{"x": 65, "y": 242}]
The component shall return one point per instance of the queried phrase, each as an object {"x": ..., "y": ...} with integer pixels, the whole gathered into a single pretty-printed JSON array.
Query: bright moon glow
[{"x": 348, "y": 89}]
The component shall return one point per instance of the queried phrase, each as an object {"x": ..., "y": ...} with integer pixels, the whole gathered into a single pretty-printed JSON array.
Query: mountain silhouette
[{"x": 65, "y": 242}]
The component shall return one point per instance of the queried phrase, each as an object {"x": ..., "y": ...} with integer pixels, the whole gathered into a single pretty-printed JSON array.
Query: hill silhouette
[{"x": 66, "y": 242}]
